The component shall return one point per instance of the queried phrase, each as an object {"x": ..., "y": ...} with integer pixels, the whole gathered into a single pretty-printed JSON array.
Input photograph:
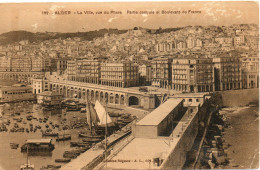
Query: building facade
[
  {"x": 192, "y": 75},
  {"x": 250, "y": 72},
  {"x": 227, "y": 72},
  {"x": 5, "y": 63},
  {"x": 145, "y": 74},
  {"x": 88, "y": 71},
  {"x": 162, "y": 72},
  {"x": 21, "y": 64},
  {"x": 71, "y": 70},
  {"x": 62, "y": 65},
  {"x": 37, "y": 64},
  {"x": 124, "y": 74},
  {"x": 37, "y": 85}
]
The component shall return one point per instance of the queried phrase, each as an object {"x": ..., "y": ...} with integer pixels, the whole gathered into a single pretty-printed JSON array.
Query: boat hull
[
  {"x": 63, "y": 138},
  {"x": 86, "y": 136}
]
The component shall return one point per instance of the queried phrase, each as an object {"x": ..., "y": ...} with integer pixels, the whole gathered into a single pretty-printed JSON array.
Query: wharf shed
[{"x": 159, "y": 120}]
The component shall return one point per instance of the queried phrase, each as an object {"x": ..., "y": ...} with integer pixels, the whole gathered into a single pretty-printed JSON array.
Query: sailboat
[
  {"x": 96, "y": 117},
  {"x": 27, "y": 165}
]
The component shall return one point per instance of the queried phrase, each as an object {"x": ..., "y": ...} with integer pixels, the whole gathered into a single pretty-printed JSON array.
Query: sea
[{"x": 12, "y": 159}]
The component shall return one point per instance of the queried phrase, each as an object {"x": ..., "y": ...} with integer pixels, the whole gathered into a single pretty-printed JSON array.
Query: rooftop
[
  {"x": 139, "y": 152},
  {"x": 157, "y": 115}
]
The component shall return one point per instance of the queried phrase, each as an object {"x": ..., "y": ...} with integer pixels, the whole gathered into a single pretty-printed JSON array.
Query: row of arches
[{"x": 92, "y": 95}]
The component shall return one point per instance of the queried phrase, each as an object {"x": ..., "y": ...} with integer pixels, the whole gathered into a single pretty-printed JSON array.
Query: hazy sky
[{"x": 29, "y": 17}]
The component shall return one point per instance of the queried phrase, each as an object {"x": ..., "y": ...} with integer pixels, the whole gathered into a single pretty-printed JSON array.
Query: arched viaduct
[{"x": 104, "y": 94}]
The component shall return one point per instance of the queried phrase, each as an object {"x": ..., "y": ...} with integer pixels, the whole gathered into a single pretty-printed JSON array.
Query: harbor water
[{"x": 11, "y": 159}]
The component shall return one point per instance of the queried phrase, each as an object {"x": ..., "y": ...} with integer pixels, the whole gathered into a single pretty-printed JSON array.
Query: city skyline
[{"x": 31, "y": 17}]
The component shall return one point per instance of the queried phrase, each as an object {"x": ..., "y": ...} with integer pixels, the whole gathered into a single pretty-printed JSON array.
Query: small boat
[
  {"x": 84, "y": 135},
  {"x": 27, "y": 167},
  {"x": 91, "y": 140},
  {"x": 29, "y": 118},
  {"x": 71, "y": 154},
  {"x": 14, "y": 145},
  {"x": 53, "y": 166},
  {"x": 50, "y": 134},
  {"x": 81, "y": 150},
  {"x": 63, "y": 137},
  {"x": 111, "y": 114},
  {"x": 18, "y": 113},
  {"x": 65, "y": 160}
]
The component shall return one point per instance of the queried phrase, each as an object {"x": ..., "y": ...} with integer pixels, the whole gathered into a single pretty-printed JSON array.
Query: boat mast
[
  {"x": 27, "y": 161},
  {"x": 89, "y": 116}
]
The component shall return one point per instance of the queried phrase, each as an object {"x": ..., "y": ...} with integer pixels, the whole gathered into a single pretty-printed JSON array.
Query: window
[
  {"x": 197, "y": 100},
  {"x": 190, "y": 100}
]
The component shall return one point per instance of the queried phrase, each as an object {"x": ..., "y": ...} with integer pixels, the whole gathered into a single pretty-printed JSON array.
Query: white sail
[{"x": 103, "y": 116}]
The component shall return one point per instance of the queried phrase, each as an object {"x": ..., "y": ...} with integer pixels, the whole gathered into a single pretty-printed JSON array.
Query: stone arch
[
  {"x": 133, "y": 100},
  {"x": 92, "y": 95},
  {"x": 51, "y": 87},
  {"x": 97, "y": 95},
  {"x": 122, "y": 99},
  {"x": 116, "y": 99},
  {"x": 88, "y": 94},
  {"x": 72, "y": 92},
  {"x": 68, "y": 91},
  {"x": 101, "y": 99},
  {"x": 111, "y": 98},
  {"x": 54, "y": 87},
  {"x": 64, "y": 91},
  {"x": 61, "y": 90},
  {"x": 106, "y": 98},
  {"x": 84, "y": 94},
  {"x": 79, "y": 93}
]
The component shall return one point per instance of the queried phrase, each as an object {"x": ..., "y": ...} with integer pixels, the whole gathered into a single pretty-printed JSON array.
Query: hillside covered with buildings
[{"x": 188, "y": 59}]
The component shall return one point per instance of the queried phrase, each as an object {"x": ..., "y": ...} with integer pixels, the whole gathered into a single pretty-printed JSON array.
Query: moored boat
[
  {"x": 53, "y": 134},
  {"x": 63, "y": 137},
  {"x": 64, "y": 160},
  {"x": 84, "y": 135},
  {"x": 91, "y": 140},
  {"x": 27, "y": 167}
]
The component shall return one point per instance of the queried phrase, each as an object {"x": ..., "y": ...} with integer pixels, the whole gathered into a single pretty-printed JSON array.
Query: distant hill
[{"x": 16, "y": 36}]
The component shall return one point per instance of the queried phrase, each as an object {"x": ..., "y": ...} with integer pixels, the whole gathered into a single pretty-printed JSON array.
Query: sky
[{"x": 30, "y": 17}]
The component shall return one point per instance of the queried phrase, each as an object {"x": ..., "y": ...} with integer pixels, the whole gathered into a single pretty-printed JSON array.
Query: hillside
[{"x": 16, "y": 36}]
